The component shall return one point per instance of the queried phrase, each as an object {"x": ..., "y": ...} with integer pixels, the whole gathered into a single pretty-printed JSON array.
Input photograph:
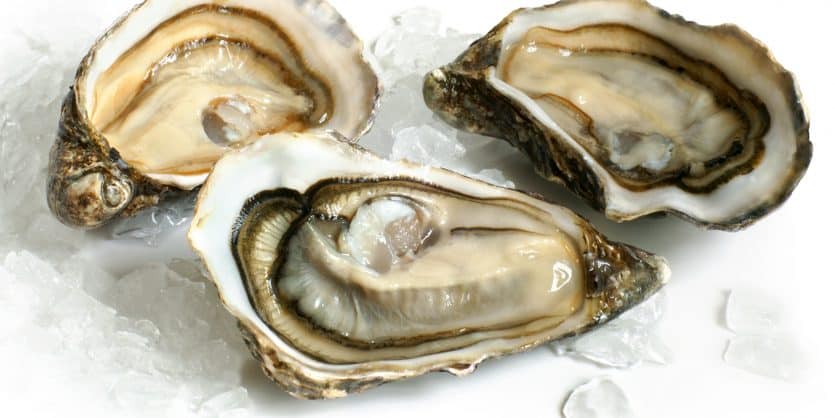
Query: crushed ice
[
  {"x": 416, "y": 43},
  {"x": 599, "y": 398},
  {"x": 761, "y": 345},
  {"x": 158, "y": 334},
  {"x": 156, "y": 338},
  {"x": 624, "y": 342}
]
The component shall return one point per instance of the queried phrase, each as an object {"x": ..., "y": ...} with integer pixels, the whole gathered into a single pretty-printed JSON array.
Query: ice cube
[
  {"x": 599, "y": 398},
  {"x": 752, "y": 312},
  {"x": 770, "y": 356}
]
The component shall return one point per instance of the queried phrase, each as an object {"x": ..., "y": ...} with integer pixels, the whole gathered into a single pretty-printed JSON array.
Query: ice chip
[
  {"x": 454, "y": 44},
  {"x": 770, "y": 356},
  {"x": 143, "y": 391},
  {"x": 752, "y": 312},
  {"x": 612, "y": 346},
  {"x": 401, "y": 102},
  {"x": 426, "y": 145},
  {"x": 235, "y": 413},
  {"x": 225, "y": 403},
  {"x": 657, "y": 351},
  {"x": 152, "y": 224},
  {"x": 137, "y": 293},
  {"x": 80, "y": 306},
  {"x": 47, "y": 284},
  {"x": 599, "y": 398},
  {"x": 416, "y": 43},
  {"x": 8, "y": 241},
  {"x": 624, "y": 342},
  {"x": 420, "y": 20},
  {"x": 189, "y": 269},
  {"x": 95, "y": 281},
  {"x": 16, "y": 298},
  {"x": 148, "y": 330},
  {"x": 46, "y": 234},
  {"x": 494, "y": 176}
]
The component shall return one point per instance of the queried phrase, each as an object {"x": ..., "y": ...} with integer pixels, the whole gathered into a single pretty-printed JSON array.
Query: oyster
[
  {"x": 172, "y": 86},
  {"x": 635, "y": 110},
  {"x": 347, "y": 271}
]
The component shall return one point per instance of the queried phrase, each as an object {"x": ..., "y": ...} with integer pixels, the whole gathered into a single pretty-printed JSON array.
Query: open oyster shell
[
  {"x": 172, "y": 86},
  {"x": 635, "y": 110},
  {"x": 347, "y": 271}
]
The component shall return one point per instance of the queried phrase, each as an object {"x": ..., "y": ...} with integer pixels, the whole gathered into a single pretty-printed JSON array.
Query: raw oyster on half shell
[
  {"x": 347, "y": 271},
  {"x": 174, "y": 85},
  {"x": 635, "y": 110}
]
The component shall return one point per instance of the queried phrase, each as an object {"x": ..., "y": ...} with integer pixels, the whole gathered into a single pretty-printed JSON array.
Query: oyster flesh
[
  {"x": 174, "y": 85},
  {"x": 347, "y": 271},
  {"x": 635, "y": 110}
]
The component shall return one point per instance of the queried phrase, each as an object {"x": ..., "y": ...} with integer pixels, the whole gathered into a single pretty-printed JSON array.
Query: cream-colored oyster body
[{"x": 347, "y": 271}]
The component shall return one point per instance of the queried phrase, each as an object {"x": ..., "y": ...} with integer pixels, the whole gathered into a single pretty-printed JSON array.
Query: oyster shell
[
  {"x": 347, "y": 271},
  {"x": 172, "y": 86},
  {"x": 635, "y": 110}
]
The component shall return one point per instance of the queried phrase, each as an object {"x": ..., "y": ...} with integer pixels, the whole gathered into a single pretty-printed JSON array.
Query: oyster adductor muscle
[
  {"x": 635, "y": 110},
  {"x": 347, "y": 271},
  {"x": 174, "y": 85}
]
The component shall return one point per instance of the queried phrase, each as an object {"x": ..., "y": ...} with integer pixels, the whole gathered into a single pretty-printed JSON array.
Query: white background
[{"x": 788, "y": 255}]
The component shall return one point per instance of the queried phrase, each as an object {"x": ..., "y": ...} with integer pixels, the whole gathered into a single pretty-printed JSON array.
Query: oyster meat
[
  {"x": 635, "y": 110},
  {"x": 173, "y": 86},
  {"x": 347, "y": 271}
]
